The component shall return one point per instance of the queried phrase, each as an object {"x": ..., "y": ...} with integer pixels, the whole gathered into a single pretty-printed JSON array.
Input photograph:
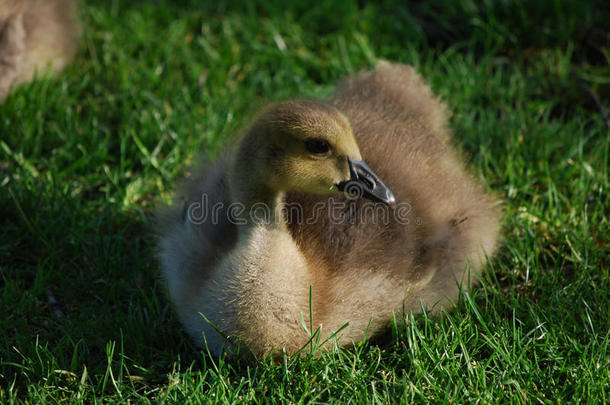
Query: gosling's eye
[{"x": 318, "y": 147}]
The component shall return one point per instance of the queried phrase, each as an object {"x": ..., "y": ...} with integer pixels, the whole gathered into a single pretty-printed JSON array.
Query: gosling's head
[{"x": 308, "y": 146}]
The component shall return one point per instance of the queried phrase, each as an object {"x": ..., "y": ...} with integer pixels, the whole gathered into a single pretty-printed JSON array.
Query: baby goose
[
  {"x": 36, "y": 36},
  {"x": 265, "y": 230}
]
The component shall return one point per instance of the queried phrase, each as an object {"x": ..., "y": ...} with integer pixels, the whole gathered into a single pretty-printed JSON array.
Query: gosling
[{"x": 353, "y": 210}]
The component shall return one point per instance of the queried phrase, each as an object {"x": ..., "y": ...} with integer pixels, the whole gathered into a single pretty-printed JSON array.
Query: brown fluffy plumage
[
  {"x": 364, "y": 262},
  {"x": 36, "y": 36}
]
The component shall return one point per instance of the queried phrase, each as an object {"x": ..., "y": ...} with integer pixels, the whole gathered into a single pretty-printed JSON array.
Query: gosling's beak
[{"x": 364, "y": 182}]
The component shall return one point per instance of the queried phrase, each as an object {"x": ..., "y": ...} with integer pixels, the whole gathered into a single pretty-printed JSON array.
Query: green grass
[{"x": 86, "y": 158}]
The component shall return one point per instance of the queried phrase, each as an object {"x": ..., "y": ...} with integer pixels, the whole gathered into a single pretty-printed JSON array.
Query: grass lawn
[{"x": 86, "y": 157}]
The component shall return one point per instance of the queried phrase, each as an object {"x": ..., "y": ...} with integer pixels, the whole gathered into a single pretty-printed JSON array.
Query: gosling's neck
[{"x": 259, "y": 205}]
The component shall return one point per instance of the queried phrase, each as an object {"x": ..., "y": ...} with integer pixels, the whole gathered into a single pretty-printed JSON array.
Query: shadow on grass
[
  {"x": 509, "y": 27},
  {"x": 78, "y": 278}
]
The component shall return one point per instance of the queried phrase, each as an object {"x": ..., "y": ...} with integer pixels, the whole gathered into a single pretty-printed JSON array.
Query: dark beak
[{"x": 364, "y": 182}]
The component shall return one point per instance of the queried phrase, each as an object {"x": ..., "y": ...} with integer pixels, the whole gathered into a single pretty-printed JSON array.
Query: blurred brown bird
[{"x": 36, "y": 37}]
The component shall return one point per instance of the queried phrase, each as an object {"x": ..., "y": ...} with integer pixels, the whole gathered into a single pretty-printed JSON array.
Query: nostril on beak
[{"x": 367, "y": 180}]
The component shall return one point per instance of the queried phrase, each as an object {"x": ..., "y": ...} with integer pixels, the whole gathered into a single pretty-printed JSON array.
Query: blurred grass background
[{"x": 86, "y": 157}]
